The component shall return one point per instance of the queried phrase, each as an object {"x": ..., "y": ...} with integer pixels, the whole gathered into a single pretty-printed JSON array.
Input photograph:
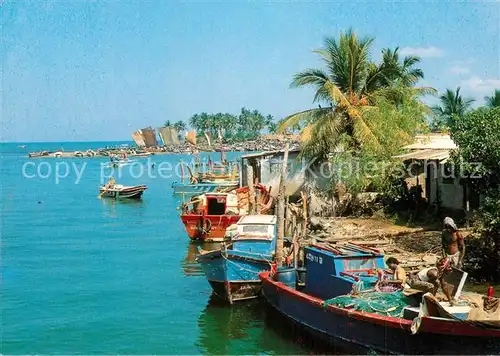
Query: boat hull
[
  {"x": 333, "y": 326},
  {"x": 209, "y": 228},
  {"x": 200, "y": 188},
  {"x": 234, "y": 275},
  {"x": 126, "y": 193}
]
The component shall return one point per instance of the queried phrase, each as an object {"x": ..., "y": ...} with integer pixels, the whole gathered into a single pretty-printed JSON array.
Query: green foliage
[
  {"x": 494, "y": 100},
  {"x": 180, "y": 126},
  {"x": 167, "y": 124},
  {"x": 453, "y": 106},
  {"x": 352, "y": 87},
  {"x": 478, "y": 136},
  {"x": 247, "y": 125}
]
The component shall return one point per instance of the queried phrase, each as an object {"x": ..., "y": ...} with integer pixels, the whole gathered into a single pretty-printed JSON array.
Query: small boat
[
  {"x": 323, "y": 309},
  {"x": 207, "y": 216},
  {"x": 233, "y": 270},
  {"x": 217, "y": 179},
  {"x": 21, "y": 146},
  {"x": 205, "y": 187},
  {"x": 119, "y": 191},
  {"x": 38, "y": 154}
]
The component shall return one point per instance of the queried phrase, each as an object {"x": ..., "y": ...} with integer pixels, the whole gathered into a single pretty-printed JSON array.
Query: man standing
[{"x": 453, "y": 243}]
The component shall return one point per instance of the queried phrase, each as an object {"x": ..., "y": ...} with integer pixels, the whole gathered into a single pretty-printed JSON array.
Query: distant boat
[
  {"x": 119, "y": 191},
  {"x": 233, "y": 270},
  {"x": 38, "y": 154},
  {"x": 21, "y": 146}
]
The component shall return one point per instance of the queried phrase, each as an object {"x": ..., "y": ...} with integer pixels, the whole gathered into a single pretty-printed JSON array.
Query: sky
[{"x": 98, "y": 70}]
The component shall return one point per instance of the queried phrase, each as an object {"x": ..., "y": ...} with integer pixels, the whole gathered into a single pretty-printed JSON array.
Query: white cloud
[
  {"x": 424, "y": 52},
  {"x": 459, "y": 69},
  {"x": 480, "y": 86}
]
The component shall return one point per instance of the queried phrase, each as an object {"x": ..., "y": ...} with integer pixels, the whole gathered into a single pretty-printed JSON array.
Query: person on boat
[
  {"x": 111, "y": 183},
  {"x": 393, "y": 279},
  {"x": 453, "y": 243},
  {"x": 429, "y": 279},
  {"x": 425, "y": 280}
]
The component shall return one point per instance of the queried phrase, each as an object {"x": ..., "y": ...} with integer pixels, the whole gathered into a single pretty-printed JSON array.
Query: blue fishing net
[{"x": 389, "y": 304}]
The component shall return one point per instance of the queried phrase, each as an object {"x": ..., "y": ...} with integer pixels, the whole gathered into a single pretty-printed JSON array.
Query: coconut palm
[
  {"x": 405, "y": 72},
  {"x": 180, "y": 126},
  {"x": 452, "y": 105},
  {"x": 494, "y": 100},
  {"x": 167, "y": 124},
  {"x": 350, "y": 87}
]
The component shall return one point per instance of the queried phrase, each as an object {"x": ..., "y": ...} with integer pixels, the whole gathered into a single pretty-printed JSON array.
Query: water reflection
[
  {"x": 189, "y": 264},
  {"x": 112, "y": 205}
]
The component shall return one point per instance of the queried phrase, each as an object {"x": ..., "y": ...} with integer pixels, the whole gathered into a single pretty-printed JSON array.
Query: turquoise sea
[{"x": 82, "y": 275}]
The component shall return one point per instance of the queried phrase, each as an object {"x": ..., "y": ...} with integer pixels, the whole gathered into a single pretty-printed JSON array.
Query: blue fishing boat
[
  {"x": 338, "y": 304},
  {"x": 200, "y": 188},
  {"x": 233, "y": 270}
]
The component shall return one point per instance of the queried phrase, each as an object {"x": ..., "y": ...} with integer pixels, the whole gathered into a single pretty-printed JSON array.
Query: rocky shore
[{"x": 259, "y": 145}]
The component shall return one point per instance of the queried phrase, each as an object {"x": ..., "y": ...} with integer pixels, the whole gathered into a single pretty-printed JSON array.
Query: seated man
[{"x": 393, "y": 279}]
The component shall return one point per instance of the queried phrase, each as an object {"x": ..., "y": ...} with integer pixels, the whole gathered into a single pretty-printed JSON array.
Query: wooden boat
[
  {"x": 332, "y": 273},
  {"x": 205, "y": 187},
  {"x": 38, "y": 154},
  {"x": 233, "y": 270},
  {"x": 207, "y": 216},
  {"x": 119, "y": 191},
  {"x": 217, "y": 179}
]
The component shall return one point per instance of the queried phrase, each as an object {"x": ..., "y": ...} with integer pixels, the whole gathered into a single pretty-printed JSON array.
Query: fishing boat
[
  {"x": 233, "y": 270},
  {"x": 118, "y": 191},
  {"x": 207, "y": 216},
  {"x": 219, "y": 177},
  {"x": 323, "y": 309}
]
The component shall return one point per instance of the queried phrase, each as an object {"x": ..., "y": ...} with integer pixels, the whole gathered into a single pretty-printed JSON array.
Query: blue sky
[{"x": 82, "y": 70}]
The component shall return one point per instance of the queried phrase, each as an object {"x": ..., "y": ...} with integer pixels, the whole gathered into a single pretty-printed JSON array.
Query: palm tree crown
[
  {"x": 494, "y": 100},
  {"x": 452, "y": 105},
  {"x": 351, "y": 86}
]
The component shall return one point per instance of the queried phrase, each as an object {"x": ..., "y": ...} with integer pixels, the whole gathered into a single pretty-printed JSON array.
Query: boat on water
[
  {"x": 391, "y": 323},
  {"x": 219, "y": 177},
  {"x": 206, "y": 217},
  {"x": 118, "y": 191},
  {"x": 233, "y": 270}
]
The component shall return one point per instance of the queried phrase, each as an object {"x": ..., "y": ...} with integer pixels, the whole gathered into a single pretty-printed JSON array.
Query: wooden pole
[
  {"x": 280, "y": 214},
  {"x": 257, "y": 197},
  {"x": 182, "y": 172},
  {"x": 251, "y": 190},
  {"x": 304, "y": 214}
]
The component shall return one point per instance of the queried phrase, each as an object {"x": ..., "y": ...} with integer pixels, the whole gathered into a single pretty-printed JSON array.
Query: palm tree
[
  {"x": 494, "y": 100},
  {"x": 180, "y": 126},
  {"x": 350, "y": 87},
  {"x": 452, "y": 105},
  {"x": 167, "y": 124},
  {"x": 405, "y": 72}
]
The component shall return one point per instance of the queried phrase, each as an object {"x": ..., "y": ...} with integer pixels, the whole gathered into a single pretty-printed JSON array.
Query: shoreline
[{"x": 259, "y": 145}]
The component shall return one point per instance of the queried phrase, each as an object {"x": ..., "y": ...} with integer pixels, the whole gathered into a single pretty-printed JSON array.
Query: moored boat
[
  {"x": 406, "y": 327},
  {"x": 207, "y": 216},
  {"x": 233, "y": 270},
  {"x": 220, "y": 177},
  {"x": 119, "y": 191}
]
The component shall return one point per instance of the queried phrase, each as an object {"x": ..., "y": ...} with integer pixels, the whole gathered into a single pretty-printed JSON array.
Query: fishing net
[{"x": 390, "y": 304}]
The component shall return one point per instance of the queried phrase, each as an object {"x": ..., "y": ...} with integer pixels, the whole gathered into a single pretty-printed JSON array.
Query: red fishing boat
[{"x": 207, "y": 216}]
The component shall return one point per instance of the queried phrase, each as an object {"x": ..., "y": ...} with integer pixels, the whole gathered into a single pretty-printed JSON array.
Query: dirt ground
[{"x": 414, "y": 247}]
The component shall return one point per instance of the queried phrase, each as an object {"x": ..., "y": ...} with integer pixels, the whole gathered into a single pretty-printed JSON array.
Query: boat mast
[{"x": 280, "y": 213}]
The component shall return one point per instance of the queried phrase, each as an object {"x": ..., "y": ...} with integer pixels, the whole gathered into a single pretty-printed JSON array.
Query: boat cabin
[
  {"x": 332, "y": 271},
  {"x": 255, "y": 233},
  {"x": 216, "y": 204}
]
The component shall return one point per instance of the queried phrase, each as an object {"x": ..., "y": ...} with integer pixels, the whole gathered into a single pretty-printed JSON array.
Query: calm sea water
[{"x": 94, "y": 276}]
